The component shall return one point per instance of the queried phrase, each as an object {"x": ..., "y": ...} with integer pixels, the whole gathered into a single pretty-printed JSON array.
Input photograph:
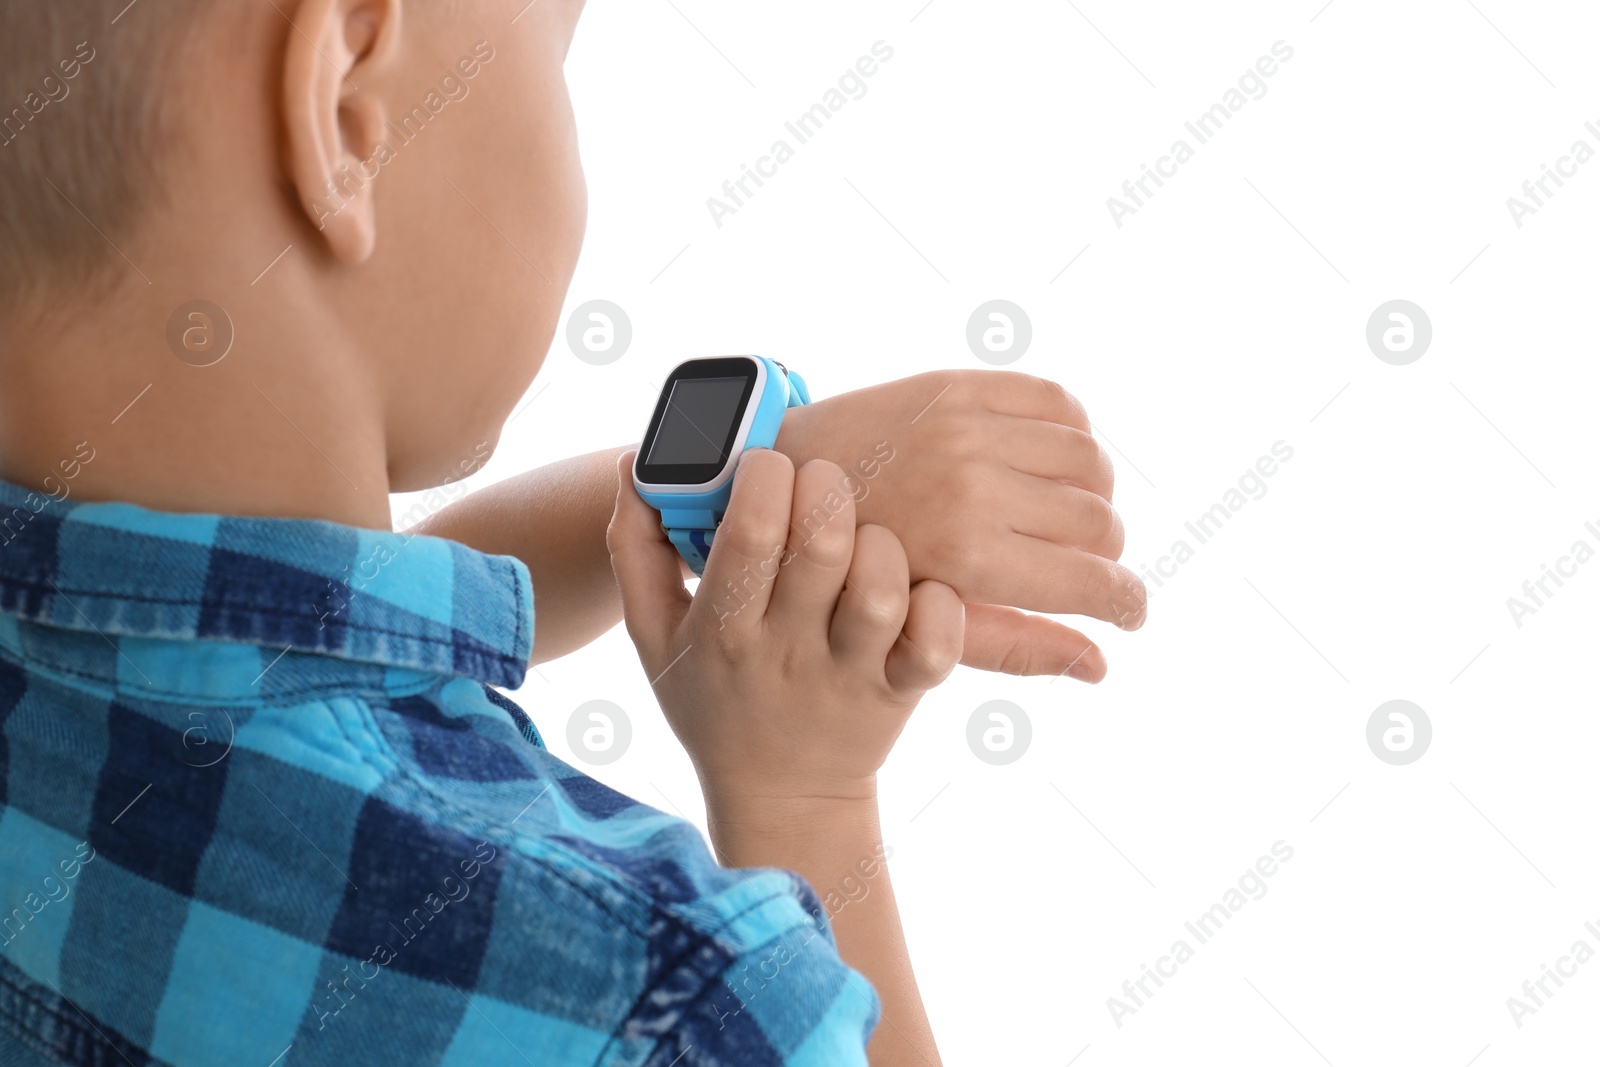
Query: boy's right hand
[
  {"x": 788, "y": 676},
  {"x": 791, "y": 672}
]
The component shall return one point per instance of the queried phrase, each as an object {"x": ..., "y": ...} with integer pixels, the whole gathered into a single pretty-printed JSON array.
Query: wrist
[
  {"x": 795, "y": 434},
  {"x": 767, "y": 827}
]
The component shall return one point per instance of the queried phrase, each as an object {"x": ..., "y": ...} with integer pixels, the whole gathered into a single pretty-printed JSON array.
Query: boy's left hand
[{"x": 996, "y": 488}]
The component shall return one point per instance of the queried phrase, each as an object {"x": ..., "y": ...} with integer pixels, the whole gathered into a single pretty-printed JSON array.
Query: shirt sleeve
[{"x": 790, "y": 1002}]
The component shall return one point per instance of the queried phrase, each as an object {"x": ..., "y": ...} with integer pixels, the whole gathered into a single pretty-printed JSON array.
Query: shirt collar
[{"x": 392, "y": 599}]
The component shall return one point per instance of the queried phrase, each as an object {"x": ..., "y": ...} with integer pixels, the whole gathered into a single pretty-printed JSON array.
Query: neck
[{"x": 285, "y": 424}]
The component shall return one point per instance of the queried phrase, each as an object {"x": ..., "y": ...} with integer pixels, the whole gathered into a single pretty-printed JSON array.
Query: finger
[
  {"x": 737, "y": 584},
  {"x": 1039, "y": 575},
  {"x": 1063, "y": 514},
  {"x": 647, "y": 567},
  {"x": 1051, "y": 450},
  {"x": 930, "y": 642},
  {"x": 1028, "y": 397},
  {"x": 872, "y": 607},
  {"x": 822, "y": 540},
  {"x": 1013, "y": 642}
]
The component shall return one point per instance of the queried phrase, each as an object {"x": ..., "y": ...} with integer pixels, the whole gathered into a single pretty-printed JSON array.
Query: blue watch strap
[
  {"x": 694, "y": 545},
  {"x": 799, "y": 394}
]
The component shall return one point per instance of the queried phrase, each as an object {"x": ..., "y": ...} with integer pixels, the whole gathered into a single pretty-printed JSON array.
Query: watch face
[{"x": 696, "y": 421}]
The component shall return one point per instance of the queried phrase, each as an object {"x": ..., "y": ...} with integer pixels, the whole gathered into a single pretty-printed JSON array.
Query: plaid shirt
[{"x": 259, "y": 805}]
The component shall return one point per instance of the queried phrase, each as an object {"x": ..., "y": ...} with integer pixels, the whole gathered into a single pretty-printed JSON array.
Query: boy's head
[{"x": 417, "y": 158}]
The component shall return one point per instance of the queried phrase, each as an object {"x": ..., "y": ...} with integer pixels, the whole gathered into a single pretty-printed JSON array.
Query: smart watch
[{"x": 710, "y": 411}]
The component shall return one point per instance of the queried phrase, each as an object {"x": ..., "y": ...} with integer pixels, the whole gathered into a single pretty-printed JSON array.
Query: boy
[{"x": 259, "y": 802}]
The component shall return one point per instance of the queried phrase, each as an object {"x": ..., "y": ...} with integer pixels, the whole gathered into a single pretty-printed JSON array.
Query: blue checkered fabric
[{"x": 259, "y": 804}]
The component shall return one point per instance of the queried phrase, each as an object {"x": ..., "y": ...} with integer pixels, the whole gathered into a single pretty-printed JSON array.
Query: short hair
[{"x": 87, "y": 122}]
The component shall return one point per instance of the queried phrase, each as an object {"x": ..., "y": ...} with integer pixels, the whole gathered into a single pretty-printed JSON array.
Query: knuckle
[
  {"x": 1116, "y": 539},
  {"x": 884, "y": 605},
  {"x": 747, "y": 541},
  {"x": 728, "y": 611},
  {"x": 960, "y": 437},
  {"x": 1050, "y": 387},
  {"x": 969, "y": 485},
  {"x": 726, "y": 642},
  {"x": 822, "y": 536},
  {"x": 955, "y": 559},
  {"x": 1057, "y": 397},
  {"x": 1092, "y": 459},
  {"x": 879, "y": 568},
  {"x": 965, "y": 385},
  {"x": 1099, "y": 520},
  {"x": 829, "y": 546},
  {"x": 879, "y": 545}
]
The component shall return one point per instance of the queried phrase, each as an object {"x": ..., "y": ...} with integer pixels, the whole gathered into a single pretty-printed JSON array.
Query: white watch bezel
[{"x": 726, "y": 474}]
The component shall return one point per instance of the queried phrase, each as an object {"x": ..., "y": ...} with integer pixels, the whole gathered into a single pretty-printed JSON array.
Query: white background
[{"x": 1228, "y": 314}]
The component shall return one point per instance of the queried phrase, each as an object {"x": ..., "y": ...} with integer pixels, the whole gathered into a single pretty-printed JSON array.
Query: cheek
[
  {"x": 521, "y": 149},
  {"x": 486, "y": 222},
  {"x": 551, "y": 199},
  {"x": 499, "y": 256},
  {"x": 558, "y": 170}
]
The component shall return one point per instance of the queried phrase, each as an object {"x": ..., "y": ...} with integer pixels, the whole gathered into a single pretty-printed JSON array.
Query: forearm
[
  {"x": 553, "y": 518},
  {"x": 838, "y": 848}
]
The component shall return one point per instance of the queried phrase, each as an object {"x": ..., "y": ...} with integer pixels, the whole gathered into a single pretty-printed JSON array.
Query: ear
[{"x": 334, "y": 120}]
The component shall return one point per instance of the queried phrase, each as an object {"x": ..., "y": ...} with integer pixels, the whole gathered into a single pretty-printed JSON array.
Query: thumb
[
  {"x": 649, "y": 574},
  {"x": 1014, "y": 642}
]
